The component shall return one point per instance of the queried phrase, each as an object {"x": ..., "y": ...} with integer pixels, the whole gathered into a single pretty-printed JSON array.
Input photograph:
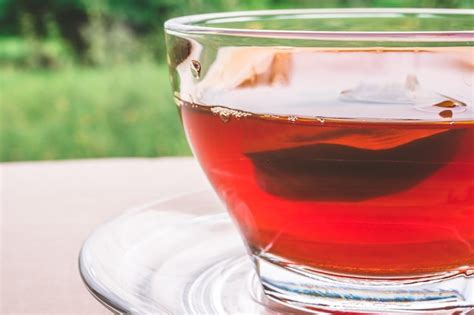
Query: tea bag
[
  {"x": 409, "y": 93},
  {"x": 335, "y": 172}
]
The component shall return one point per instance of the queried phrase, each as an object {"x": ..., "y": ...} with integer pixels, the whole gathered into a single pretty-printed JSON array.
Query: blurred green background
[{"x": 87, "y": 78}]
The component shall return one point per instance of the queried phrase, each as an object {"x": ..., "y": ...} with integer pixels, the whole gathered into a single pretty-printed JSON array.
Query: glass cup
[{"x": 342, "y": 144}]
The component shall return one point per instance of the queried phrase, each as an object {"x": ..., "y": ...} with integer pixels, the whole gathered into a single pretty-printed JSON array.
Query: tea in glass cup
[{"x": 342, "y": 144}]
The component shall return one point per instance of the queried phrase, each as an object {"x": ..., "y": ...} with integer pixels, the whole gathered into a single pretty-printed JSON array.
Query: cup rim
[{"x": 187, "y": 25}]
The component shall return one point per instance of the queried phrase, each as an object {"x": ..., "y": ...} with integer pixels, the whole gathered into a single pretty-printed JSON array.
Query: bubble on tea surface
[
  {"x": 321, "y": 120},
  {"x": 292, "y": 118},
  {"x": 225, "y": 114}
]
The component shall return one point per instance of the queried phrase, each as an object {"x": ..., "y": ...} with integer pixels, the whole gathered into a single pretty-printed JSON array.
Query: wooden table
[{"x": 49, "y": 208}]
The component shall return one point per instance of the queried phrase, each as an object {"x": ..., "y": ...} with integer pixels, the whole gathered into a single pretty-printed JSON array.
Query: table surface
[{"x": 49, "y": 208}]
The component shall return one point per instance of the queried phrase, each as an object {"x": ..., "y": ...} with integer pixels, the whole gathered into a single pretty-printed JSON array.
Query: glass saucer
[{"x": 176, "y": 256}]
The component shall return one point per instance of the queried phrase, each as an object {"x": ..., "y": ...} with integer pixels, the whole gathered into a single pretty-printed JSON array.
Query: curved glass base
[
  {"x": 448, "y": 294},
  {"x": 184, "y": 256},
  {"x": 176, "y": 256}
]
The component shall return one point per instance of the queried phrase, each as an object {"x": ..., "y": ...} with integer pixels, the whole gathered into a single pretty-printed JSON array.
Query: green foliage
[
  {"x": 30, "y": 50},
  {"x": 111, "y": 44},
  {"x": 85, "y": 112},
  {"x": 82, "y": 22},
  {"x": 21, "y": 53},
  {"x": 78, "y": 77}
]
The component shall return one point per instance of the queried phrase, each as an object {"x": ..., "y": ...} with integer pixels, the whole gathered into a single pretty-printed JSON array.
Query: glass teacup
[{"x": 342, "y": 144}]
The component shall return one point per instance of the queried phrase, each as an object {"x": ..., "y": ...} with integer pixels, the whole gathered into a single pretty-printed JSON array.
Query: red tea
[
  {"x": 383, "y": 188},
  {"x": 343, "y": 196}
]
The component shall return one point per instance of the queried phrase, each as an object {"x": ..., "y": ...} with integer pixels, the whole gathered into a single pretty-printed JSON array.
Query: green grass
[
  {"x": 81, "y": 112},
  {"x": 73, "y": 111}
]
